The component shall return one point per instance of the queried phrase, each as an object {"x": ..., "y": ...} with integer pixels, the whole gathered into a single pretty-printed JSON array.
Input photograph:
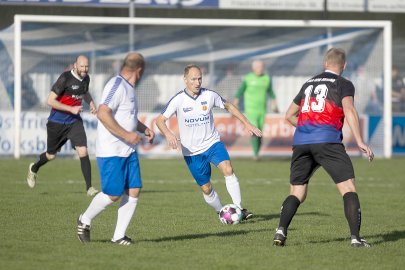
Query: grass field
[{"x": 175, "y": 229}]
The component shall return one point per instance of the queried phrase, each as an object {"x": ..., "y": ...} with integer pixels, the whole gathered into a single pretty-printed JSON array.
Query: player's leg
[
  {"x": 200, "y": 169},
  {"x": 42, "y": 160},
  {"x": 129, "y": 200},
  {"x": 340, "y": 168},
  {"x": 287, "y": 212},
  {"x": 231, "y": 181},
  {"x": 112, "y": 184},
  {"x": 78, "y": 138},
  {"x": 218, "y": 155},
  {"x": 352, "y": 211},
  {"x": 211, "y": 197},
  {"x": 85, "y": 166},
  {"x": 56, "y": 138},
  {"x": 302, "y": 168},
  {"x": 97, "y": 205}
]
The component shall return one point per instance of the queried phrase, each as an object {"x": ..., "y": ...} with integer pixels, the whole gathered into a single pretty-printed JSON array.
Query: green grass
[{"x": 174, "y": 229}]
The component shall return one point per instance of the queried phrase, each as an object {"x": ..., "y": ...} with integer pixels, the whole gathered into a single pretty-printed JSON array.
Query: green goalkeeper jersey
[{"x": 254, "y": 90}]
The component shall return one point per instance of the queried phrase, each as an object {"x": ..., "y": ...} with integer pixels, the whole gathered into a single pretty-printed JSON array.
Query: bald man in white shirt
[
  {"x": 117, "y": 159},
  {"x": 200, "y": 140}
]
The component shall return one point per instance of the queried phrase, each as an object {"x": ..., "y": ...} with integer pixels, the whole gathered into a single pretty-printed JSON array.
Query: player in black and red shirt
[
  {"x": 64, "y": 121},
  {"x": 318, "y": 112}
]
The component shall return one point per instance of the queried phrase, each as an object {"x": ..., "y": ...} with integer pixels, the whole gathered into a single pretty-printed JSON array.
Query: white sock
[
  {"x": 232, "y": 185},
  {"x": 213, "y": 200},
  {"x": 97, "y": 205},
  {"x": 125, "y": 213}
]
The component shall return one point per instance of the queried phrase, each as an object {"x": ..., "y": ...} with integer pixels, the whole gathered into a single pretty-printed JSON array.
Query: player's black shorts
[
  {"x": 58, "y": 134},
  {"x": 307, "y": 158}
]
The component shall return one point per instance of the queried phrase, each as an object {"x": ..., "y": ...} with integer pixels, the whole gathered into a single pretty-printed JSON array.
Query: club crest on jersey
[
  {"x": 75, "y": 87},
  {"x": 204, "y": 107},
  {"x": 188, "y": 109}
]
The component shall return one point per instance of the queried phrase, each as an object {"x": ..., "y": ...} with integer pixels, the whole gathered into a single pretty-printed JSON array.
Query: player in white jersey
[
  {"x": 117, "y": 159},
  {"x": 200, "y": 140}
]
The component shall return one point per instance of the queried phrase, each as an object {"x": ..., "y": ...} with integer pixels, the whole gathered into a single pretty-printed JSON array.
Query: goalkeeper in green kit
[{"x": 256, "y": 87}]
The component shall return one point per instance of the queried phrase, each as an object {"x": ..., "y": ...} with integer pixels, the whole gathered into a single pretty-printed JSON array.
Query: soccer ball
[{"x": 230, "y": 214}]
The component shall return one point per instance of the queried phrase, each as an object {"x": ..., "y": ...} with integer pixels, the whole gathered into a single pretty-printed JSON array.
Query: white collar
[
  {"x": 75, "y": 75},
  {"x": 330, "y": 71}
]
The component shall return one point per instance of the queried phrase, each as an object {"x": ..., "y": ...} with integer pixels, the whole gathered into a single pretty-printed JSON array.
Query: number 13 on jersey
[{"x": 321, "y": 91}]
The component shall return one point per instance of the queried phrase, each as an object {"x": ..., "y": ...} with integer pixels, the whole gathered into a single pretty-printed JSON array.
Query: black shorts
[
  {"x": 307, "y": 158},
  {"x": 58, "y": 134}
]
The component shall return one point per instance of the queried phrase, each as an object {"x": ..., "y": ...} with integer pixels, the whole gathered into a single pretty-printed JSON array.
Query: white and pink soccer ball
[{"x": 230, "y": 214}]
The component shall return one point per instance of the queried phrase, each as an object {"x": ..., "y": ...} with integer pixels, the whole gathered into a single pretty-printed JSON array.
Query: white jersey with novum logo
[
  {"x": 119, "y": 96},
  {"x": 195, "y": 119}
]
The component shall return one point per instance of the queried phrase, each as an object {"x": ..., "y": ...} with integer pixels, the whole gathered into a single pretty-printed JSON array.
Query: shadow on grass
[
  {"x": 387, "y": 237},
  {"x": 269, "y": 217},
  {"x": 340, "y": 239},
  {"x": 165, "y": 191},
  {"x": 142, "y": 192},
  {"x": 260, "y": 218},
  {"x": 312, "y": 214},
  {"x": 101, "y": 241},
  {"x": 203, "y": 235}
]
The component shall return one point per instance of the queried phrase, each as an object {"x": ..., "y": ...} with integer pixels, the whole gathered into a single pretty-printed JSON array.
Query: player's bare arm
[
  {"x": 292, "y": 114},
  {"x": 54, "y": 103},
  {"x": 352, "y": 118},
  {"x": 89, "y": 100},
  {"x": 104, "y": 114},
  {"x": 248, "y": 126},
  {"x": 170, "y": 137},
  {"x": 236, "y": 102},
  {"x": 149, "y": 134}
]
